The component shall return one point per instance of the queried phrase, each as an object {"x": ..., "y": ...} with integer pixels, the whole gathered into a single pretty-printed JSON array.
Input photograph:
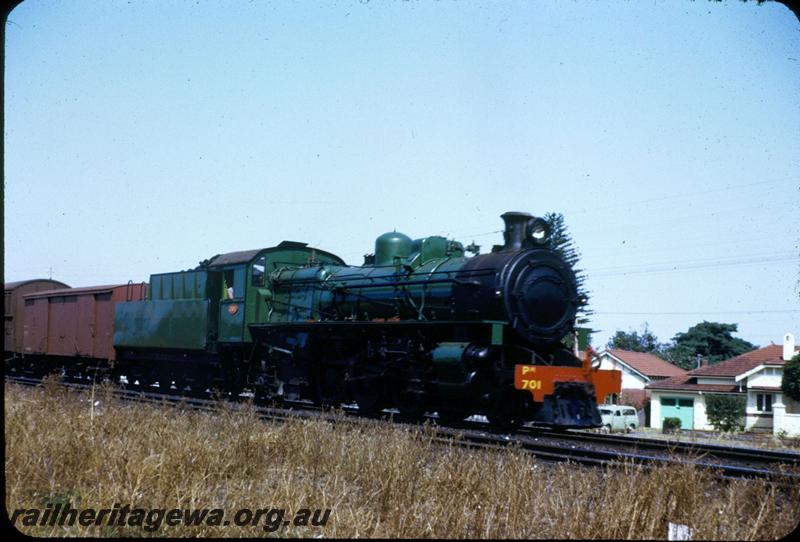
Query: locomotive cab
[{"x": 194, "y": 325}]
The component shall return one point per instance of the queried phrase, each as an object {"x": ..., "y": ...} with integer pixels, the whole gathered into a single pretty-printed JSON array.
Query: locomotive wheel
[
  {"x": 164, "y": 378},
  {"x": 329, "y": 387},
  {"x": 232, "y": 378},
  {"x": 367, "y": 389},
  {"x": 507, "y": 410},
  {"x": 407, "y": 396},
  {"x": 451, "y": 416},
  {"x": 411, "y": 405},
  {"x": 133, "y": 377}
]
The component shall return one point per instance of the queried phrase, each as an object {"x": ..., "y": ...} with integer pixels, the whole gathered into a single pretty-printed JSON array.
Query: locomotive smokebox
[{"x": 524, "y": 282}]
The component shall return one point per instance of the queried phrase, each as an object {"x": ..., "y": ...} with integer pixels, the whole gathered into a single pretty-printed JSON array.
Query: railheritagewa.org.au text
[{"x": 269, "y": 519}]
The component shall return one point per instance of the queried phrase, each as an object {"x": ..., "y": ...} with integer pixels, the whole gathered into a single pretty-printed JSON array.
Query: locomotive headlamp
[{"x": 539, "y": 231}]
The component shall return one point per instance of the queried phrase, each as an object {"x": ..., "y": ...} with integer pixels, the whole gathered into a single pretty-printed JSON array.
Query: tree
[
  {"x": 712, "y": 340},
  {"x": 725, "y": 412},
  {"x": 636, "y": 400},
  {"x": 632, "y": 340},
  {"x": 790, "y": 383},
  {"x": 561, "y": 241}
]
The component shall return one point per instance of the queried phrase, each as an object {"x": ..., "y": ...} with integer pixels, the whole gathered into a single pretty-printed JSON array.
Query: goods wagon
[
  {"x": 73, "y": 327},
  {"x": 14, "y": 306}
]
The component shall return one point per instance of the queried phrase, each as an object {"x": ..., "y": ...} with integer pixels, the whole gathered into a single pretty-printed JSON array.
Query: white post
[
  {"x": 778, "y": 412},
  {"x": 675, "y": 531}
]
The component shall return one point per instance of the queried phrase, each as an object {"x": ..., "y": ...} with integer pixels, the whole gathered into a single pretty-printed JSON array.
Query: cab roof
[{"x": 245, "y": 256}]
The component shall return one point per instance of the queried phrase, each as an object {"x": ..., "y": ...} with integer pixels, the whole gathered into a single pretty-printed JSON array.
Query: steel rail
[
  {"x": 757, "y": 455},
  {"x": 462, "y": 436}
]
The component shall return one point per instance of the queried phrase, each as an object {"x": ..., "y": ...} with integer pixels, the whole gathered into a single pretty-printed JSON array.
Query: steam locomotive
[{"x": 420, "y": 327}]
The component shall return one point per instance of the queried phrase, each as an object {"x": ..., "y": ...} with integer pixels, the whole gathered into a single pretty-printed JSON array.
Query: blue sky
[{"x": 143, "y": 137}]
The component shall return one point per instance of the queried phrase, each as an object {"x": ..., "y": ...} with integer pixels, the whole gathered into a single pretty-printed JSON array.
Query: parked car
[{"x": 618, "y": 418}]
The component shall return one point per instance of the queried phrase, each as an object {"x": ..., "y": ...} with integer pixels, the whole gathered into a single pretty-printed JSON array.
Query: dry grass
[{"x": 379, "y": 480}]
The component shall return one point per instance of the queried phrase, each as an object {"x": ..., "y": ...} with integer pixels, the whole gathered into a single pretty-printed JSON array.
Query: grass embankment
[{"x": 378, "y": 480}]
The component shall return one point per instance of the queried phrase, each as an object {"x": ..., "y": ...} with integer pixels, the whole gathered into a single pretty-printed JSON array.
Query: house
[
  {"x": 755, "y": 375},
  {"x": 638, "y": 369}
]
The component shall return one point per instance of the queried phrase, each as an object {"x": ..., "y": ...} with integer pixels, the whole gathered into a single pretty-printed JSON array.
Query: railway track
[
  {"x": 607, "y": 457},
  {"x": 711, "y": 451},
  {"x": 579, "y": 447}
]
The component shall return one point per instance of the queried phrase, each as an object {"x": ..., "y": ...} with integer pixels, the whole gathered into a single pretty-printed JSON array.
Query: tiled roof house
[
  {"x": 638, "y": 370},
  {"x": 755, "y": 375}
]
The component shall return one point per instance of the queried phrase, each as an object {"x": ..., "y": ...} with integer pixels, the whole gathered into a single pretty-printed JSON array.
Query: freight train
[{"x": 420, "y": 327}]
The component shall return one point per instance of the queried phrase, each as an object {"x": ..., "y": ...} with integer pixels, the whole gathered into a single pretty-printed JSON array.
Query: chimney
[
  {"x": 515, "y": 230},
  {"x": 701, "y": 361},
  {"x": 788, "y": 346}
]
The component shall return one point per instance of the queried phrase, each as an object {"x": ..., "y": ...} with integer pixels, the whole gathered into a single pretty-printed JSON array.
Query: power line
[
  {"x": 776, "y": 311},
  {"x": 714, "y": 260},
  {"x": 681, "y": 265},
  {"x": 464, "y": 235},
  {"x": 671, "y": 268},
  {"x": 679, "y": 245}
]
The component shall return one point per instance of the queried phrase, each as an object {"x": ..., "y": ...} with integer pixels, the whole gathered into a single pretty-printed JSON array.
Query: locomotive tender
[{"x": 420, "y": 327}]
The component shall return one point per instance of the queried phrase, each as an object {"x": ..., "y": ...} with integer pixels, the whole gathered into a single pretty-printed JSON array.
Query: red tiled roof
[
  {"x": 647, "y": 364},
  {"x": 772, "y": 354}
]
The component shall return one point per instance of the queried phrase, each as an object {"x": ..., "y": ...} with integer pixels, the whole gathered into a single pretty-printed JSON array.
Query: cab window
[
  {"x": 228, "y": 286},
  {"x": 233, "y": 283},
  {"x": 257, "y": 271}
]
